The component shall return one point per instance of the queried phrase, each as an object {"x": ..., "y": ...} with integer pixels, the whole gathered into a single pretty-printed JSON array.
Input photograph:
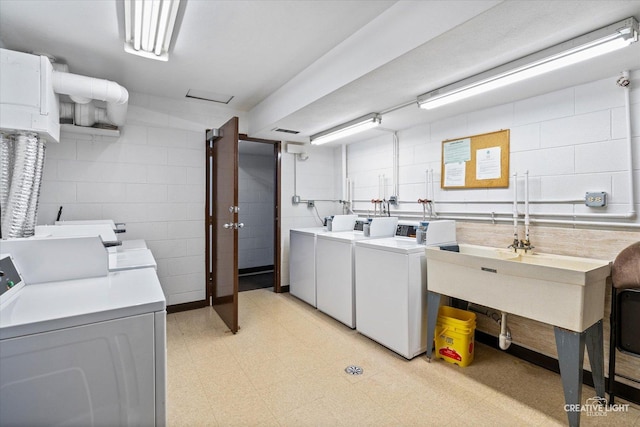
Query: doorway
[
  {"x": 222, "y": 224},
  {"x": 258, "y": 190}
]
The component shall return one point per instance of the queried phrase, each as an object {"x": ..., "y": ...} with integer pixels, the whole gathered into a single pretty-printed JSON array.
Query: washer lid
[
  {"x": 311, "y": 231},
  {"x": 56, "y": 305},
  {"x": 131, "y": 259},
  {"x": 345, "y": 236},
  {"x": 403, "y": 245}
]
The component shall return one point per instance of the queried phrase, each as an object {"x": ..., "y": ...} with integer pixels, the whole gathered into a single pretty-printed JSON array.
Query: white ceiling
[{"x": 311, "y": 65}]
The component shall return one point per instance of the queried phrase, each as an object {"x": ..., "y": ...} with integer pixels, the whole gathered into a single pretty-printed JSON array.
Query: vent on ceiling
[
  {"x": 295, "y": 132},
  {"x": 209, "y": 96}
]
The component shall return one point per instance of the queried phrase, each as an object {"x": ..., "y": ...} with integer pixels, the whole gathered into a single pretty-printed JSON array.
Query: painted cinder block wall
[
  {"x": 256, "y": 201},
  {"x": 152, "y": 178}
]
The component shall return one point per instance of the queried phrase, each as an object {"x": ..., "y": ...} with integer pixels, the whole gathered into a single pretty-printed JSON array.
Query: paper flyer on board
[
  {"x": 454, "y": 174},
  {"x": 488, "y": 163}
]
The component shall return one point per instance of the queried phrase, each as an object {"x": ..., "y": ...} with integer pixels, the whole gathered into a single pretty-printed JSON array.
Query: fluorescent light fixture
[
  {"x": 355, "y": 126},
  {"x": 148, "y": 26},
  {"x": 596, "y": 43}
]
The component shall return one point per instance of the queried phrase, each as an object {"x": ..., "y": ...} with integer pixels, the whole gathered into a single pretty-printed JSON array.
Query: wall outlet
[
  {"x": 310, "y": 203},
  {"x": 393, "y": 200},
  {"x": 295, "y": 200},
  {"x": 595, "y": 199}
]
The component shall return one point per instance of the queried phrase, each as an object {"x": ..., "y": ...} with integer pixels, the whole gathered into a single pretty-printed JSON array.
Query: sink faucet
[
  {"x": 521, "y": 245},
  {"x": 515, "y": 244}
]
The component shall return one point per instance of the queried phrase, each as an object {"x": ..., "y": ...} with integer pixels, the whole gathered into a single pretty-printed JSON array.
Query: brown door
[{"x": 222, "y": 225}]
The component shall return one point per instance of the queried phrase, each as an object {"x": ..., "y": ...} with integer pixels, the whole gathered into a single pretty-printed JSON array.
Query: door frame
[{"x": 277, "y": 256}]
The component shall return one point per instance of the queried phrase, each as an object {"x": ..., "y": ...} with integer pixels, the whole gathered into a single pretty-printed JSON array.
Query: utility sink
[{"x": 563, "y": 291}]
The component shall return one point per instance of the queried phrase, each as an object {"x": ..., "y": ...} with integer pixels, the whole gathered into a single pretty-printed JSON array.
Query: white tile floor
[{"x": 285, "y": 367}]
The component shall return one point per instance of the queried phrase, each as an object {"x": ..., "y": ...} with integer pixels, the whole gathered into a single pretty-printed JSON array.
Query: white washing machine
[
  {"x": 391, "y": 287},
  {"x": 335, "y": 269},
  {"x": 302, "y": 256},
  {"x": 86, "y": 350}
]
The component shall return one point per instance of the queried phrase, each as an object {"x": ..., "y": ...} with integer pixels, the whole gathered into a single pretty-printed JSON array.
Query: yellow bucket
[{"x": 454, "y": 335}]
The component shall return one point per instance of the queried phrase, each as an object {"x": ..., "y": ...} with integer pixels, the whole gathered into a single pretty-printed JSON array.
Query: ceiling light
[
  {"x": 149, "y": 25},
  {"x": 599, "y": 42},
  {"x": 355, "y": 126}
]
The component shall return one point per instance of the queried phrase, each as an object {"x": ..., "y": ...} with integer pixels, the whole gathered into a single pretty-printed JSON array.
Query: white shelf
[{"x": 89, "y": 133}]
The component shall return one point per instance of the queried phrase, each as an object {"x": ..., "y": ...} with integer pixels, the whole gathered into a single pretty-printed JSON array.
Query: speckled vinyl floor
[{"x": 285, "y": 367}]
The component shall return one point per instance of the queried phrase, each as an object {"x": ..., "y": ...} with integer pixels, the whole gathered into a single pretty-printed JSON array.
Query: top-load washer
[
  {"x": 79, "y": 345},
  {"x": 391, "y": 286},
  {"x": 302, "y": 256},
  {"x": 335, "y": 269}
]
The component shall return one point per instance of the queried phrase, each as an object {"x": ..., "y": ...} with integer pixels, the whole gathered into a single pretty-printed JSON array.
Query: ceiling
[{"x": 311, "y": 65}]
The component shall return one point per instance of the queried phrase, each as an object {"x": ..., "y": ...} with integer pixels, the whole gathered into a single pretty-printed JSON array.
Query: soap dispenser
[
  {"x": 366, "y": 227},
  {"x": 329, "y": 221},
  {"x": 421, "y": 233}
]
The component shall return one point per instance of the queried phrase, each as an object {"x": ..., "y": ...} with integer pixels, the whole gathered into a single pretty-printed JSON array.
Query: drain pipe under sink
[{"x": 504, "y": 341}]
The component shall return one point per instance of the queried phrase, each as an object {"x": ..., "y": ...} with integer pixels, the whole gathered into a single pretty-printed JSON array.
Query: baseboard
[
  {"x": 227, "y": 299},
  {"x": 255, "y": 270},
  {"x": 623, "y": 391},
  {"x": 175, "y": 308},
  {"x": 284, "y": 289}
]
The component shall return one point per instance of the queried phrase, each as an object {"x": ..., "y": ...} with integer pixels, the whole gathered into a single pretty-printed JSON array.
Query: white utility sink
[{"x": 563, "y": 291}]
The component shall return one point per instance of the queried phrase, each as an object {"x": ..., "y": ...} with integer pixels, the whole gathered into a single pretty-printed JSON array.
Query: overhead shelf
[{"x": 90, "y": 133}]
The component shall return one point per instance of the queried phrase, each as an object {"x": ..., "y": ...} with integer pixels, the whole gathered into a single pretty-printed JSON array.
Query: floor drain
[{"x": 353, "y": 370}]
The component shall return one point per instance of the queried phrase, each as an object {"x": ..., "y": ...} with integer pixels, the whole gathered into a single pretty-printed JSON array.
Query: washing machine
[
  {"x": 302, "y": 256},
  {"x": 335, "y": 268},
  {"x": 391, "y": 286},
  {"x": 86, "y": 348}
]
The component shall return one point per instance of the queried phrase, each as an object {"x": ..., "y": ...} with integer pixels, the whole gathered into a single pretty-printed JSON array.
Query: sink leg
[
  {"x": 433, "y": 304},
  {"x": 595, "y": 342},
  {"x": 570, "y": 347}
]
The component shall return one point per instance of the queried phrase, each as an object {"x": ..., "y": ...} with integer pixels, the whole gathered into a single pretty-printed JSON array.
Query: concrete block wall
[
  {"x": 256, "y": 201},
  {"x": 571, "y": 141},
  {"x": 152, "y": 178}
]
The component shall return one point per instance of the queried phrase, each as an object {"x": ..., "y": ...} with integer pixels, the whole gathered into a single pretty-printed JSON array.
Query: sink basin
[{"x": 559, "y": 290}]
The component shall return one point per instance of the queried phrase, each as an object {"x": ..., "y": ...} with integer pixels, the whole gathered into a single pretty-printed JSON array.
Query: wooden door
[{"x": 222, "y": 224}]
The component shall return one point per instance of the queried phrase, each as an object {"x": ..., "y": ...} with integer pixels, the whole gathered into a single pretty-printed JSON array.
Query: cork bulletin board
[{"x": 478, "y": 161}]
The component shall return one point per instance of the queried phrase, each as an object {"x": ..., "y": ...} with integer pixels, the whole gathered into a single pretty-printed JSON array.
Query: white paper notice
[
  {"x": 457, "y": 151},
  {"x": 454, "y": 174},
  {"x": 488, "y": 163}
]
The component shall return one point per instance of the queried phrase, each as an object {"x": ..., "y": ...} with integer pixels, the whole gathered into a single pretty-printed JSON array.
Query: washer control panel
[
  {"x": 406, "y": 230},
  {"x": 9, "y": 276}
]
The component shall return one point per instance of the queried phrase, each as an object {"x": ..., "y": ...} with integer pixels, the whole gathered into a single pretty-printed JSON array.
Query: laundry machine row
[
  {"x": 375, "y": 284},
  {"x": 302, "y": 256}
]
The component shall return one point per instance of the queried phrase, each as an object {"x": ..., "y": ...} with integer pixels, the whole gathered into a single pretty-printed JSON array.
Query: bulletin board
[{"x": 478, "y": 161}]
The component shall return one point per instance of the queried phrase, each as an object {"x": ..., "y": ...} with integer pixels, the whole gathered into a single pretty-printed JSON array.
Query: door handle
[
  {"x": 228, "y": 225},
  {"x": 239, "y": 225}
]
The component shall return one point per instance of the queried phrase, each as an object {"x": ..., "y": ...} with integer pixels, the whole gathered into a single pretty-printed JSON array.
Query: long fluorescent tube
[
  {"x": 596, "y": 43},
  {"x": 355, "y": 126},
  {"x": 149, "y": 25}
]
